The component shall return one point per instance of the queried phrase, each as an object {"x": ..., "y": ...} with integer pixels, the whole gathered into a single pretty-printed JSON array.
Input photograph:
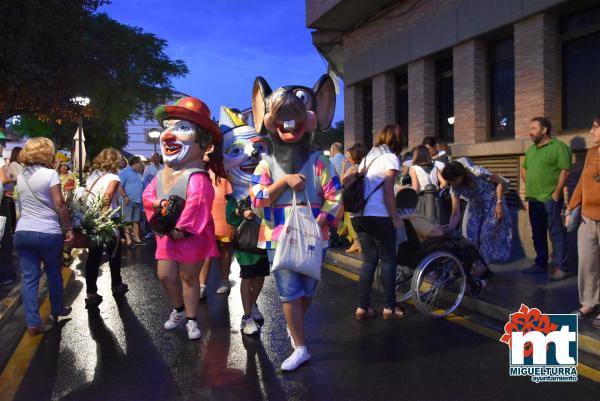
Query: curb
[{"x": 347, "y": 265}]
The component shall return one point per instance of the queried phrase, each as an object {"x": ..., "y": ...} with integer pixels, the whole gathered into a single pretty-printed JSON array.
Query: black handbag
[
  {"x": 246, "y": 236},
  {"x": 163, "y": 220}
]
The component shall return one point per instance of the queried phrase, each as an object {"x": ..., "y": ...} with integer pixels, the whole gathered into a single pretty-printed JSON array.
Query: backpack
[{"x": 353, "y": 195}]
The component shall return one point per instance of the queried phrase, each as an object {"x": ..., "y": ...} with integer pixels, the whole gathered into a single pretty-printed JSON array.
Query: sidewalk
[{"x": 504, "y": 294}]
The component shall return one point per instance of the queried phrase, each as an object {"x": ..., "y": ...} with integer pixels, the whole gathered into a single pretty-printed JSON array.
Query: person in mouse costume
[
  {"x": 242, "y": 150},
  {"x": 178, "y": 204},
  {"x": 291, "y": 115}
]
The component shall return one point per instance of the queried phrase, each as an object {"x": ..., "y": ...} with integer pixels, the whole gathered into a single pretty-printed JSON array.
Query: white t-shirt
[
  {"x": 99, "y": 187},
  {"x": 38, "y": 215},
  {"x": 426, "y": 178},
  {"x": 382, "y": 160}
]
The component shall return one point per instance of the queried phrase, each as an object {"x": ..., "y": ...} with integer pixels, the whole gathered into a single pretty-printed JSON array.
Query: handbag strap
[
  {"x": 36, "y": 197},
  {"x": 95, "y": 182}
]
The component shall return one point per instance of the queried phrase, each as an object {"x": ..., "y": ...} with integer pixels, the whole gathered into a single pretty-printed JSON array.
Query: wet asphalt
[{"x": 122, "y": 352}]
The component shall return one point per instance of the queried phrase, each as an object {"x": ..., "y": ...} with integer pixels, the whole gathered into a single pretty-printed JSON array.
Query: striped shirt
[{"x": 273, "y": 218}]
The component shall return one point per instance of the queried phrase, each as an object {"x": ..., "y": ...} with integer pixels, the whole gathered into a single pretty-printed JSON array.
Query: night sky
[{"x": 227, "y": 43}]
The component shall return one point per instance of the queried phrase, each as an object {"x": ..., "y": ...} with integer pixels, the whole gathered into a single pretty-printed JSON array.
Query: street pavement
[{"x": 123, "y": 352}]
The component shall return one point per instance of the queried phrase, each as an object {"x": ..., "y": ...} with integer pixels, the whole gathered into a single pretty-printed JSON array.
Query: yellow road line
[
  {"x": 584, "y": 341},
  {"x": 17, "y": 366}
]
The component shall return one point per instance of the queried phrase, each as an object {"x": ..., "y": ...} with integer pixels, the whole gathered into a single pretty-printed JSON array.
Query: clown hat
[
  {"x": 231, "y": 121},
  {"x": 190, "y": 109}
]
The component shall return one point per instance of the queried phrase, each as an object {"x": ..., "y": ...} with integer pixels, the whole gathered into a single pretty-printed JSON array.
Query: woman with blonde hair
[
  {"x": 42, "y": 229},
  {"x": 376, "y": 225},
  {"x": 104, "y": 182}
]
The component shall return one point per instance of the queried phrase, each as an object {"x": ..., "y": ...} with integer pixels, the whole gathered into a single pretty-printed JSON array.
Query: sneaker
[
  {"x": 174, "y": 319},
  {"x": 298, "y": 357},
  {"x": 534, "y": 269},
  {"x": 120, "y": 289},
  {"x": 66, "y": 311},
  {"x": 256, "y": 315},
  {"x": 194, "y": 332},
  {"x": 249, "y": 326},
  {"x": 289, "y": 333},
  {"x": 202, "y": 291},
  {"x": 93, "y": 302},
  {"x": 224, "y": 287},
  {"x": 558, "y": 275}
]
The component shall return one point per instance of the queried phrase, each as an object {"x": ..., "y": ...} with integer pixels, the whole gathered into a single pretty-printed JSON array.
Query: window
[
  {"x": 402, "y": 104},
  {"x": 580, "y": 66},
  {"x": 444, "y": 91},
  {"x": 502, "y": 88},
  {"x": 368, "y": 115}
]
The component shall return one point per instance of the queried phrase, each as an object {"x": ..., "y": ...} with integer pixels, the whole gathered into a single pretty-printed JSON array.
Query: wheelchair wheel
[
  {"x": 438, "y": 284},
  {"x": 403, "y": 282}
]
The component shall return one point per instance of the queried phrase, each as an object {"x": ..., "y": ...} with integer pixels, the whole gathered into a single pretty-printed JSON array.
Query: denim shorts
[
  {"x": 132, "y": 213},
  {"x": 292, "y": 285}
]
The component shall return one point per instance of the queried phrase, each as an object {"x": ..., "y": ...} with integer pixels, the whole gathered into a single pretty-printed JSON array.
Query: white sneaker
[
  {"x": 174, "y": 319},
  {"x": 194, "y": 332},
  {"x": 256, "y": 315},
  {"x": 224, "y": 287},
  {"x": 289, "y": 333},
  {"x": 249, "y": 326},
  {"x": 298, "y": 357},
  {"x": 202, "y": 291}
]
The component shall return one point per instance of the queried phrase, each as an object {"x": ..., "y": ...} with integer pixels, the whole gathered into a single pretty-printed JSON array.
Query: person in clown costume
[
  {"x": 242, "y": 150},
  {"x": 180, "y": 252}
]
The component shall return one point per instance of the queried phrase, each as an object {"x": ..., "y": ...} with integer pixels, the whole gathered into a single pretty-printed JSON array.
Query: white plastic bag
[
  {"x": 300, "y": 247},
  {"x": 2, "y": 226}
]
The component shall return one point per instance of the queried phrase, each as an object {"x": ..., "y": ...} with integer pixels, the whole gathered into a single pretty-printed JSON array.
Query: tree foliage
[
  {"x": 54, "y": 50},
  {"x": 323, "y": 140}
]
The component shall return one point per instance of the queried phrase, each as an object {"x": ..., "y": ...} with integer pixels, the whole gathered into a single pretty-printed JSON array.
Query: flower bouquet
[{"x": 90, "y": 223}]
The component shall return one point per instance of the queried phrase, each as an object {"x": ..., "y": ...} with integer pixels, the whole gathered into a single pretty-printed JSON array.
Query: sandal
[
  {"x": 365, "y": 313},
  {"x": 398, "y": 313},
  {"x": 596, "y": 322},
  {"x": 582, "y": 315}
]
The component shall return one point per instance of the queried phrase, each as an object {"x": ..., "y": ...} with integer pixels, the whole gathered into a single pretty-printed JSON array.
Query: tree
[
  {"x": 323, "y": 140},
  {"x": 123, "y": 70}
]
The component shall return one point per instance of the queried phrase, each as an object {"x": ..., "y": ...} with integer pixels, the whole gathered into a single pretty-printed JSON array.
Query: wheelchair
[{"x": 436, "y": 273}]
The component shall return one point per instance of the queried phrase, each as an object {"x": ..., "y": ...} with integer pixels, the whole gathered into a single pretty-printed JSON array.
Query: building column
[
  {"x": 471, "y": 111},
  {"x": 353, "y": 115},
  {"x": 384, "y": 101},
  {"x": 421, "y": 100},
  {"x": 536, "y": 71}
]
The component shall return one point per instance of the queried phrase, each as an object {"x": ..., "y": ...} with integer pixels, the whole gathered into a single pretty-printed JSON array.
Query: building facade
[{"x": 471, "y": 72}]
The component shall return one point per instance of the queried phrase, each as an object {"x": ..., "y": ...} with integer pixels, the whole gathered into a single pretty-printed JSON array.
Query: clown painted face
[
  {"x": 242, "y": 150},
  {"x": 178, "y": 142}
]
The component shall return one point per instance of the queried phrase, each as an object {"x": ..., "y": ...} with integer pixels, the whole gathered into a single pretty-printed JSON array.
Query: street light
[
  {"x": 80, "y": 101},
  {"x": 154, "y": 133}
]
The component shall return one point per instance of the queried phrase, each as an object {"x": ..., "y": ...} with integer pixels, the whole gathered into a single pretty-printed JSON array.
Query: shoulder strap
[
  {"x": 95, "y": 182},
  {"x": 37, "y": 197}
]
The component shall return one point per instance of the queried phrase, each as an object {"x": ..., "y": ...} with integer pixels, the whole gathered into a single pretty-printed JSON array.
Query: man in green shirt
[{"x": 545, "y": 170}]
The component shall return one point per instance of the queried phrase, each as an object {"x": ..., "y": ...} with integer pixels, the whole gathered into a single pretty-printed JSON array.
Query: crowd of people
[{"x": 197, "y": 170}]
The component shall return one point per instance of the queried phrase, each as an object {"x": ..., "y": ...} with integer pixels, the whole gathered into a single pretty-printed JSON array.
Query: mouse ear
[
  {"x": 324, "y": 91},
  {"x": 260, "y": 93}
]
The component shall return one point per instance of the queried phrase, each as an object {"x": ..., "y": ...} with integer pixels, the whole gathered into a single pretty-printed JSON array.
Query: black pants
[
  {"x": 377, "y": 237},
  {"x": 7, "y": 264},
  {"x": 93, "y": 264}
]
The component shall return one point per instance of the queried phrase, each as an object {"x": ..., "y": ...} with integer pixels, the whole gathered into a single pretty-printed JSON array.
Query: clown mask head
[{"x": 242, "y": 150}]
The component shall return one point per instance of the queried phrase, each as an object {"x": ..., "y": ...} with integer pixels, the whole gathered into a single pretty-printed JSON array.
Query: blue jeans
[
  {"x": 33, "y": 248},
  {"x": 377, "y": 237},
  {"x": 546, "y": 217},
  {"x": 292, "y": 285}
]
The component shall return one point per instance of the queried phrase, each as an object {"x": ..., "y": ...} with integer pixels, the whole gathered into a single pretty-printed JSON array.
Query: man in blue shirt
[{"x": 131, "y": 181}]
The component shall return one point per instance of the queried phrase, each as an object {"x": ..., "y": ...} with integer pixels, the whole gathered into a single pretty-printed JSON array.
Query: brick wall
[
  {"x": 383, "y": 101},
  {"x": 421, "y": 100},
  {"x": 471, "y": 122},
  {"x": 353, "y": 115},
  {"x": 536, "y": 71}
]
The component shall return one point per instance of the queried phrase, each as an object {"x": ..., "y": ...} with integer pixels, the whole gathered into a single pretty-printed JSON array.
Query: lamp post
[
  {"x": 154, "y": 134},
  {"x": 80, "y": 101}
]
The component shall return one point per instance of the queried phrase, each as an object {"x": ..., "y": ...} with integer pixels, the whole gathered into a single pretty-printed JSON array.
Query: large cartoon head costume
[
  {"x": 290, "y": 115},
  {"x": 242, "y": 150},
  {"x": 187, "y": 130}
]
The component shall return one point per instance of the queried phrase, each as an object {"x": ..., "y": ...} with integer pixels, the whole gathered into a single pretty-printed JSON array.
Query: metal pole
[
  {"x": 155, "y": 145},
  {"x": 80, "y": 151}
]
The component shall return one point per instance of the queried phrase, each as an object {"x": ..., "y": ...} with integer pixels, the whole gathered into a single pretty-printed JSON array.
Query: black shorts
[{"x": 260, "y": 269}]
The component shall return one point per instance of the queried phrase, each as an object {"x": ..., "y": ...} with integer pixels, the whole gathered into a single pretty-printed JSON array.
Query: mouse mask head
[
  {"x": 187, "y": 131},
  {"x": 242, "y": 150},
  {"x": 292, "y": 113}
]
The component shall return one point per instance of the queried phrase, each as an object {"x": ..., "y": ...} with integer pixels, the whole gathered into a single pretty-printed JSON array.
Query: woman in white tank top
[{"x": 424, "y": 171}]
